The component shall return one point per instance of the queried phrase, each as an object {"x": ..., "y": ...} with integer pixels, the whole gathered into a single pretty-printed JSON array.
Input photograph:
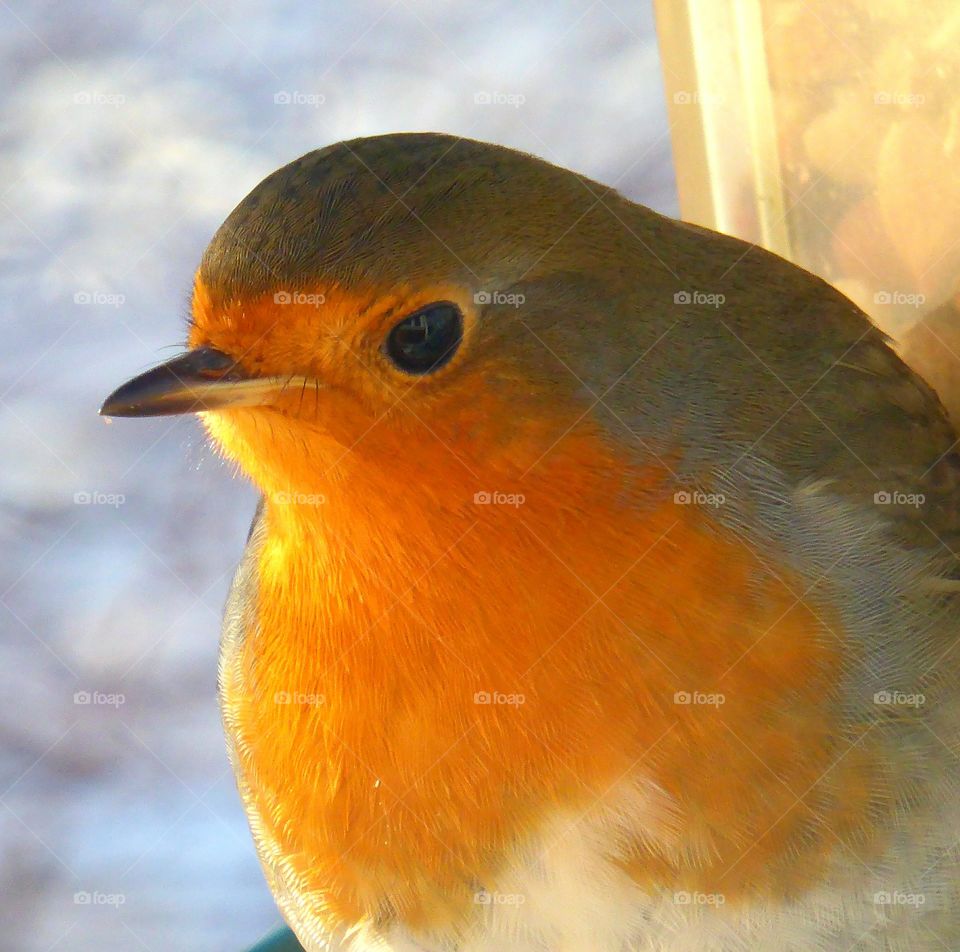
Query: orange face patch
[
  {"x": 468, "y": 414},
  {"x": 328, "y": 332}
]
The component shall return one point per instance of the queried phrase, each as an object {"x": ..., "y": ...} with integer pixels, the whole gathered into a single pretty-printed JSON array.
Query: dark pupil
[{"x": 427, "y": 339}]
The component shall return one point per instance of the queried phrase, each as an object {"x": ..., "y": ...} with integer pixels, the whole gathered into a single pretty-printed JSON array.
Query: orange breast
[{"x": 432, "y": 675}]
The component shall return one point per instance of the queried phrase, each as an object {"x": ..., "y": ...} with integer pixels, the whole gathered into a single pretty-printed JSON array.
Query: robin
[{"x": 604, "y": 590}]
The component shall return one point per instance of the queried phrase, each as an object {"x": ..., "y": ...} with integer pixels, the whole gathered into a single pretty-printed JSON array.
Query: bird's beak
[{"x": 202, "y": 379}]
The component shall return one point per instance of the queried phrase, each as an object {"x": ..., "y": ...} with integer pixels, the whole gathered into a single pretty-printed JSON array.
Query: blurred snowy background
[{"x": 129, "y": 133}]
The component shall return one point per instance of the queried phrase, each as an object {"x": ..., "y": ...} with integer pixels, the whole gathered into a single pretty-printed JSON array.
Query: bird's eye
[{"x": 427, "y": 339}]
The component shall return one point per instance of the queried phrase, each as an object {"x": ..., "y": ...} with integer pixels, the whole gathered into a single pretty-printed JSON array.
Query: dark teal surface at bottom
[{"x": 283, "y": 940}]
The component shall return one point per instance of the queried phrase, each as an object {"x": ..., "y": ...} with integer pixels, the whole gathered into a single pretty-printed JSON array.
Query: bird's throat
[{"x": 468, "y": 642}]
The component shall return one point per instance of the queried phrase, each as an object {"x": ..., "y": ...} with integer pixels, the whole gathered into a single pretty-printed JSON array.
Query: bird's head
[{"x": 430, "y": 307}]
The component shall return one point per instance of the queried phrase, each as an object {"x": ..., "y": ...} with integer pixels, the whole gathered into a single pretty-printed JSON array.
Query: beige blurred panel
[
  {"x": 721, "y": 118},
  {"x": 829, "y": 132}
]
